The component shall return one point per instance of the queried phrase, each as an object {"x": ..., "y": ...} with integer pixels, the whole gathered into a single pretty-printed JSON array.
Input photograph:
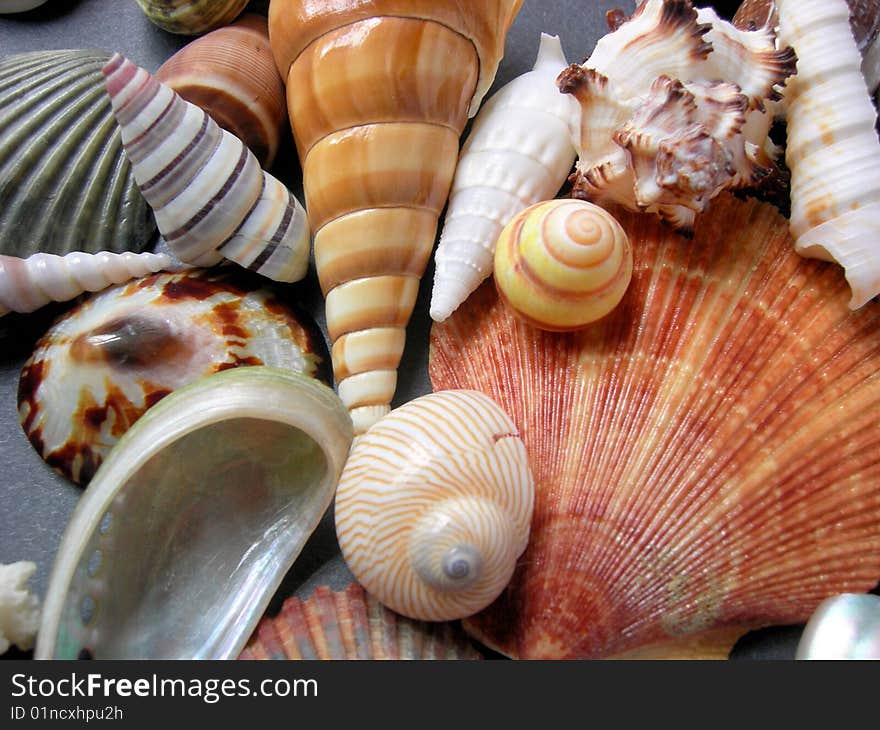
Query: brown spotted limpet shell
[{"x": 104, "y": 363}]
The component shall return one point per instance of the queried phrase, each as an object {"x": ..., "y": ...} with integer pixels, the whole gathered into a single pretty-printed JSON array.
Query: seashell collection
[{"x": 653, "y": 425}]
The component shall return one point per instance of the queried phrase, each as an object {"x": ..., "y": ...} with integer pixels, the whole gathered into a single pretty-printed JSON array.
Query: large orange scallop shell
[{"x": 706, "y": 458}]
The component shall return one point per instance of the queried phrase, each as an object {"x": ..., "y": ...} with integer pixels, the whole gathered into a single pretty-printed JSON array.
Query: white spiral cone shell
[
  {"x": 519, "y": 152},
  {"x": 210, "y": 196},
  {"x": 832, "y": 148},
  {"x": 434, "y": 506},
  {"x": 31, "y": 283}
]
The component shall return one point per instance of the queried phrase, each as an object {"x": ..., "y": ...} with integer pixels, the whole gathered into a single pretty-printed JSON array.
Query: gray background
[{"x": 35, "y": 503}]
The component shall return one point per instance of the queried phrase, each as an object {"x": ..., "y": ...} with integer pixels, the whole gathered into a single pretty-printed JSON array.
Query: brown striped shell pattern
[
  {"x": 378, "y": 94},
  {"x": 105, "y": 362},
  {"x": 210, "y": 197},
  {"x": 706, "y": 457},
  {"x": 231, "y": 74},
  {"x": 352, "y": 624},
  {"x": 434, "y": 505},
  {"x": 562, "y": 264}
]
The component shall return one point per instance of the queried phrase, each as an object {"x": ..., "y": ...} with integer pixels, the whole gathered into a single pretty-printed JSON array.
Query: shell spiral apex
[
  {"x": 210, "y": 197},
  {"x": 519, "y": 152},
  {"x": 378, "y": 94},
  {"x": 562, "y": 264},
  {"x": 434, "y": 506}
]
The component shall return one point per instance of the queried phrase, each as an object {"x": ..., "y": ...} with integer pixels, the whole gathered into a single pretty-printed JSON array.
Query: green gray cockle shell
[
  {"x": 191, "y": 17},
  {"x": 192, "y": 522},
  {"x": 65, "y": 182}
]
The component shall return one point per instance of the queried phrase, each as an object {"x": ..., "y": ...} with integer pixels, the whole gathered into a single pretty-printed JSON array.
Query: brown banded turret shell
[
  {"x": 706, "y": 457},
  {"x": 378, "y": 94},
  {"x": 351, "y": 624},
  {"x": 105, "y": 362}
]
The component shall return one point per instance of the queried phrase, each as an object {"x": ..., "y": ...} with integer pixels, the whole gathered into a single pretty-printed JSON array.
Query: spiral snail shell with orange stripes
[
  {"x": 434, "y": 505},
  {"x": 562, "y": 264}
]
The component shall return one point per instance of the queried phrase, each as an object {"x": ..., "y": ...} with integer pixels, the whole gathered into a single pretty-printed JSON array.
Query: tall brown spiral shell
[{"x": 378, "y": 93}]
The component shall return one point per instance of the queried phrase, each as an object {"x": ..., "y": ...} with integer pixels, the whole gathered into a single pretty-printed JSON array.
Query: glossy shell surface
[
  {"x": 562, "y": 264},
  {"x": 379, "y": 92},
  {"x": 433, "y": 508},
  {"x": 104, "y": 363},
  {"x": 233, "y": 473}
]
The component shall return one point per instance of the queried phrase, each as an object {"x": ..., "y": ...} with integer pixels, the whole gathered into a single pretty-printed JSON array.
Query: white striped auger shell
[
  {"x": 210, "y": 196},
  {"x": 434, "y": 505},
  {"x": 519, "y": 152},
  {"x": 31, "y": 283},
  {"x": 832, "y": 148}
]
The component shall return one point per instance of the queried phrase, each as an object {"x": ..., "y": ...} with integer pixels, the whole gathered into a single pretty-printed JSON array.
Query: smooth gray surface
[{"x": 35, "y": 503}]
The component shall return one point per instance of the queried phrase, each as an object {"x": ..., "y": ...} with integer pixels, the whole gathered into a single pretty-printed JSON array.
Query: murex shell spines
[{"x": 714, "y": 131}]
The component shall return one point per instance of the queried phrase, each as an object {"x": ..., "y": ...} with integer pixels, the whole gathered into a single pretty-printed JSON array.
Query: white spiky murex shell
[
  {"x": 434, "y": 505},
  {"x": 28, "y": 284},
  {"x": 832, "y": 148},
  {"x": 674, "y": 109},
  {"x": 518, "y": 153},
  {"x": 210, "y": 196},
  {"x": 352, "y": 624}
]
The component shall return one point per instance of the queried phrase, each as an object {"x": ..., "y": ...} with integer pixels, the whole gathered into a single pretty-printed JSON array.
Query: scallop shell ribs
[
  {"x": 351, "y": 624},
  {"x": 378, "y": 93},
  {"x": 706, "y": 458}
]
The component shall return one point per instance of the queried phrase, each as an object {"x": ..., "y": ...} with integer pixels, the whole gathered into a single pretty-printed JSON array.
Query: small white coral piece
[{"x": 19, "y": 609}]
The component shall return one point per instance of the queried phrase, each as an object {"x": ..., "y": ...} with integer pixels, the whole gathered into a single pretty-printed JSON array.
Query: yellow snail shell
[
  {"x": 562, "y": 264},
  {"x": 434, "y": 506}
]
